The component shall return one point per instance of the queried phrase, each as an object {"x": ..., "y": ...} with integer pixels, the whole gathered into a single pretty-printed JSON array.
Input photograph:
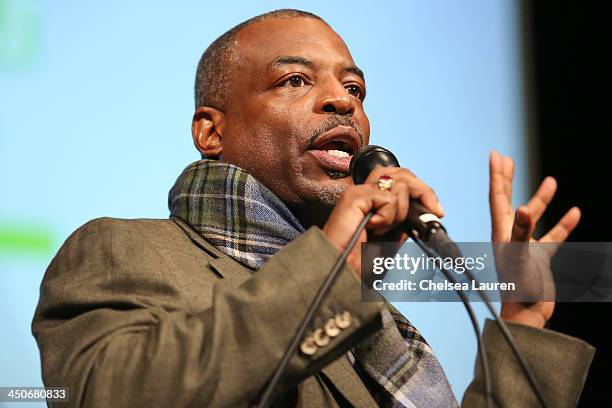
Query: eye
[
  {"x": 355, "y": 91},
  {"x": 294, "y": 81}
]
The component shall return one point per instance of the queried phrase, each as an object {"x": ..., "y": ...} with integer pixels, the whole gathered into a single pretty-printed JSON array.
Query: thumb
[{"x": 521, "y": 230}]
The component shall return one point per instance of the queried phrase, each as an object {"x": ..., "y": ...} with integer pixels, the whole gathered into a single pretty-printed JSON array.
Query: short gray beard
[{"x": 329, "y": 195}]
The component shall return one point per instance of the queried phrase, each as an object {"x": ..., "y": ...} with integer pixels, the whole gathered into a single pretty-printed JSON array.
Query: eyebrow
[
  {"x": 283, "y": 60},
  {"x": 353, "y": 69}
]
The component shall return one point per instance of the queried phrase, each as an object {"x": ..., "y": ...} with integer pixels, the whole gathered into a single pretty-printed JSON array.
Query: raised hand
[{"x": 510, "y": 226}]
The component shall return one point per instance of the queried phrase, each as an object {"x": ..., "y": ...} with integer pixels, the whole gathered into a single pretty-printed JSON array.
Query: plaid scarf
[{"x": 246, "y": 221}]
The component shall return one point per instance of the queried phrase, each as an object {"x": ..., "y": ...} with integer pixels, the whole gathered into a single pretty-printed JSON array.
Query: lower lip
[{"x": 330, "y": 162}]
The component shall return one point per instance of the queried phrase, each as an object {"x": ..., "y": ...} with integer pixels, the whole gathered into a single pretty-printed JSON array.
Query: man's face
[{"x": 295, "y": 108}]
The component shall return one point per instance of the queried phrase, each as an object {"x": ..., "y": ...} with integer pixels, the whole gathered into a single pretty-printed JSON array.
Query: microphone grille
[{"x": 369, "y": 157}]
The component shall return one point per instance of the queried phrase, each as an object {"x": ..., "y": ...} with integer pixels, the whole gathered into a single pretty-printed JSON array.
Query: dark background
[{"x": 568, "y": 46}]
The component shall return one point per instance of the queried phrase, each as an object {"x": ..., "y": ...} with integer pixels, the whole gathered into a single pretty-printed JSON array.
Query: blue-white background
[{"x": 96, "y": 101}]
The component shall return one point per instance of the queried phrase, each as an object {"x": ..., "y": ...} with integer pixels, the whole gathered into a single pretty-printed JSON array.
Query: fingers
[
  {"x": 521, "y": 232},
  {"x": 501, "y": 173},
  {"x": 390, "y": 208},
  {"x": 508, "y": 172},
  {"x": 519, "y": 226},
  {"x": 385, "y": 205},
  {"x": 523, "y": 225},
  {"x": 349, "y": 212},
  {"x": 404, "y": 181},
  {"x": 564, "y": 227},
  {"x": 495, "y": 173},
  {"x": 542, "y": 197},
  {"x": 401, "y": 190}
]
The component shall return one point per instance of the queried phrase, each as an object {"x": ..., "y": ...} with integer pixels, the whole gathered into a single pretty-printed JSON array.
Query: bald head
[
  {"x": 275, "y": 94},
  {"x": 214, "y": 70}
]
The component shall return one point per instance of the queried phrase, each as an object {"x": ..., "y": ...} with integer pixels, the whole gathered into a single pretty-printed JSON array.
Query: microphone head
[{"x": 367, "y": 159}]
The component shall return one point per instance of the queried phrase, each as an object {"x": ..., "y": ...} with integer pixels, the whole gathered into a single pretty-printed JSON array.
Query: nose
[{"x": 335, "y": 99}]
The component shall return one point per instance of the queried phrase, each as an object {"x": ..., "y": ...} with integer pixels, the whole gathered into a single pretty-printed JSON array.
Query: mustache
[{"x": 335, "y": 120}]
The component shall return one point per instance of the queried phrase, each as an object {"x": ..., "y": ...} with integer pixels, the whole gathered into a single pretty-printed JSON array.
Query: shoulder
[
  {"x": 132, "y": 233},
  {"x": 113, "y": 242},
  {"x": 146, "y": 258},
  {"x": 120, "y": 228}
]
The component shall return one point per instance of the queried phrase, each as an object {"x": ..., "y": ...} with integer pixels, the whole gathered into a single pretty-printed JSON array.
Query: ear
[{"x": 207, "y": 131}]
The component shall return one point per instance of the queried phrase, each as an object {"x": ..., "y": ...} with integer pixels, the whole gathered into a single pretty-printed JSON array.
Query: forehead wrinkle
[
  {"x": 283, "y": 60},
  {"x": 255, "y": 38}
]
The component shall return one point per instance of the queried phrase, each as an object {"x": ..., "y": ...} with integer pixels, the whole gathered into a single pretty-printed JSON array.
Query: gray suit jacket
[{"x": 148, "y": 313}]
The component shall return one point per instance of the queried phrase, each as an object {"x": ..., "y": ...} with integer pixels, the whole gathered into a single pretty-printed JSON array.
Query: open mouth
[{"x": 334, "y": 150}]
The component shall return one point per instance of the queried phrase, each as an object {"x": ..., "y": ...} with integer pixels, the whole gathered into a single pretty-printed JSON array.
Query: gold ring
[{"x": 385, "y": 183}]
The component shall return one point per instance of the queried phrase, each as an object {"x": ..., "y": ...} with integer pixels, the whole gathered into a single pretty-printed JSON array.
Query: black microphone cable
[
  {"x": 372, "y": 156},
  {"x": 510, "y": 340},
  {"x": 468, "y": 307},
  {"x": 504, "y": 328},
  {"x": 322, "y": 292},
  {"x": 328, "y": 283}
]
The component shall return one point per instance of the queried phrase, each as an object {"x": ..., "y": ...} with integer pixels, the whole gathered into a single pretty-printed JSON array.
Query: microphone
[
  {"x": 420, "y": 223},
  {"x": 425, "y": 228},
  {"x": 422, "y": 226}
]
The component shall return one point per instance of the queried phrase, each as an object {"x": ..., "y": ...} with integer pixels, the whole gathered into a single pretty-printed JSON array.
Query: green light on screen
[
  {"x": 20, "y": 33},
  {"x": 25, "y": 239}
]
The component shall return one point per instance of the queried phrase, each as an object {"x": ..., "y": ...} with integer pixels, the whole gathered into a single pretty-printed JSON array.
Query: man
[{"x": 198, "y": 309}]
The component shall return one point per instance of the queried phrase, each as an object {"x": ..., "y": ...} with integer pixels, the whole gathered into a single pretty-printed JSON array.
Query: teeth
[{"x": 338, "y": 153}]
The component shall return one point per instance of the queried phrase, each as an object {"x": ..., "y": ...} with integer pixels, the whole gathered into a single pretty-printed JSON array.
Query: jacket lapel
[
  {"x": 341, "y": 373},
  {"x": 223, "y": 265}
]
